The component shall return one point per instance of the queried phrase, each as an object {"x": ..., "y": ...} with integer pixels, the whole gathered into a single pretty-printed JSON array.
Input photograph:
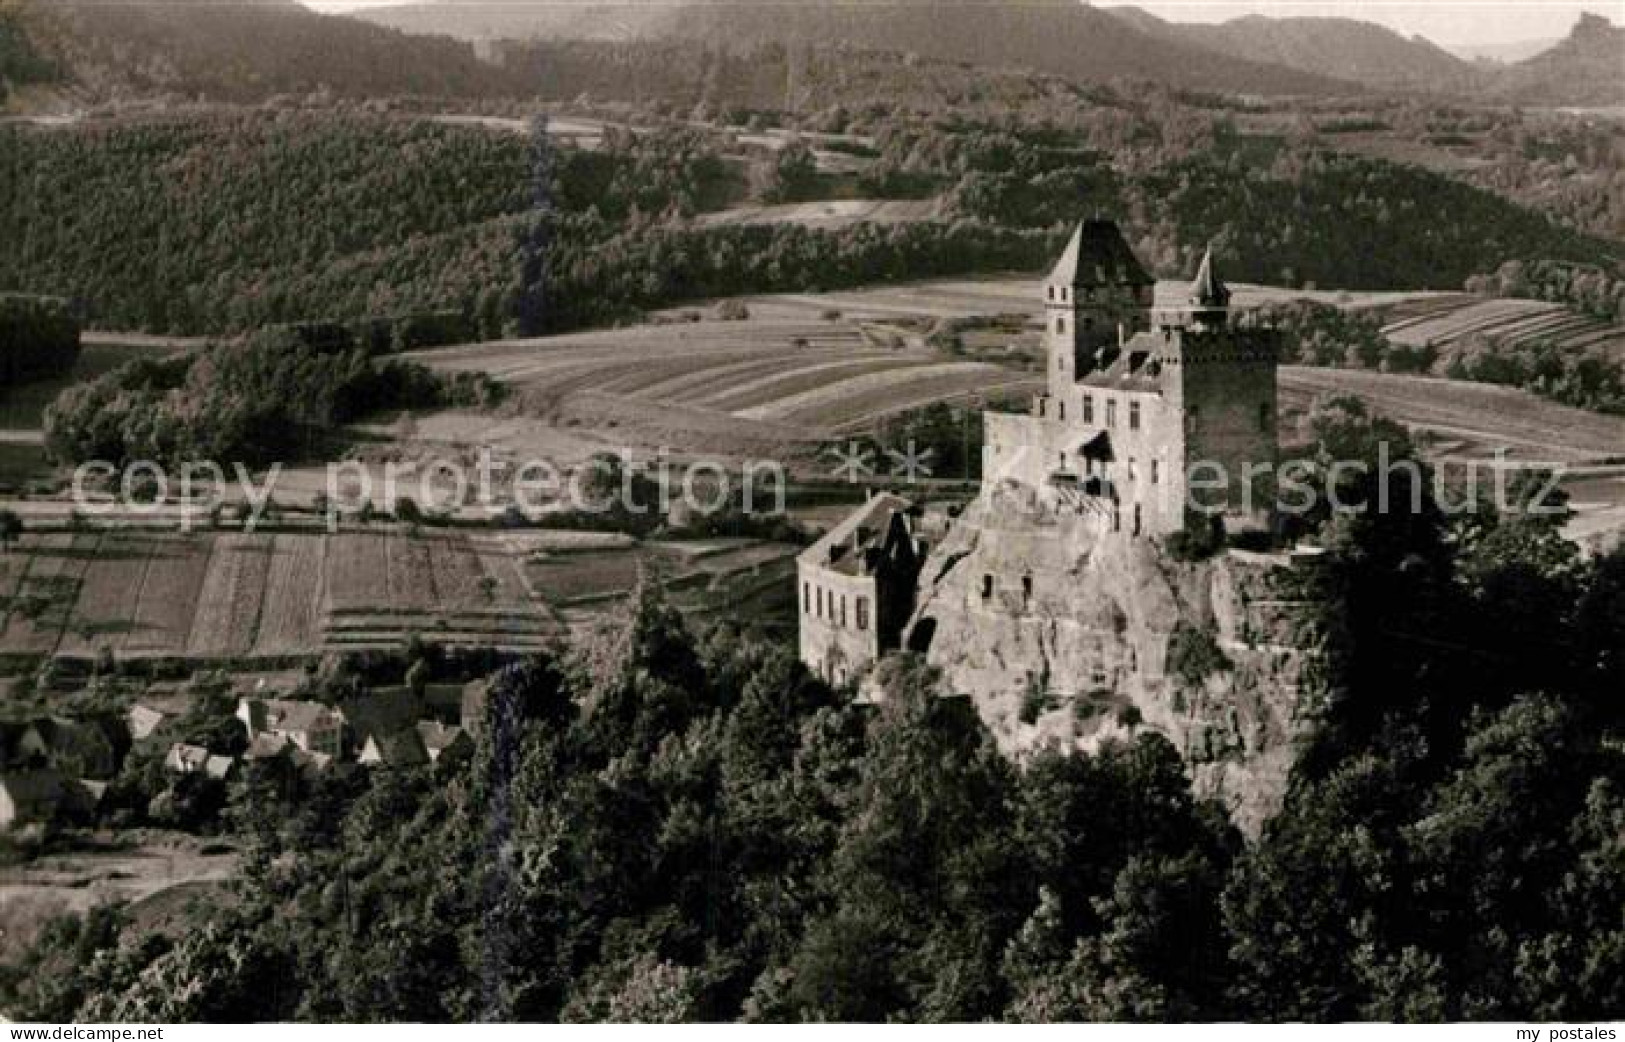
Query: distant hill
[
  {"x": 1587, "y": 68},
  {"x": 1340, "y": 47},
  {"x": 1062, "y": 37},
  {"x": 1516, "y": 51},
  {"x": 246, "y": 49}
]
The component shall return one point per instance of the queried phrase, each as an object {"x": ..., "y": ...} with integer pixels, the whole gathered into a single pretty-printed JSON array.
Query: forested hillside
[
  {"x": 216, "y": 223},
  {"x": 664, "y": 826},
  {"x": 1054, "y": 36},
  {"x": 247, "y": 50}
]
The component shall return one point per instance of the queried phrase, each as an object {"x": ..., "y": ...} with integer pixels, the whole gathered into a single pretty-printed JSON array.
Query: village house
[
  {"x": 42, "y": 796},
  {"x": 311, "y": 726},
  {"x": 89, "y": 748},
  {"x": 183, "y": 758},
  {"x": 144, "y": 720}
]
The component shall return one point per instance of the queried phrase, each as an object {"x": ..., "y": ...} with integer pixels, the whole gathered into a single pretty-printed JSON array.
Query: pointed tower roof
[
  {"x": 1208, "y": 290},
  {"x": 1097, "y": 255}
]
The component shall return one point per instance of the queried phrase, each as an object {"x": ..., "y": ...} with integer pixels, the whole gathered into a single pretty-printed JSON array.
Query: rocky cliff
[{"x": 1065, "y": 631}]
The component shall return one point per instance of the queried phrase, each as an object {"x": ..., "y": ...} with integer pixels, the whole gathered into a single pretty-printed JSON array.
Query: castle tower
[
  {"x": 1224, "y": 389},
  {"x": 1096, "y": 299}
]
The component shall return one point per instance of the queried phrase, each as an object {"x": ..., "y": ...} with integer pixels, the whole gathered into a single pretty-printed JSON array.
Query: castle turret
[
  {"x": 1096, "y": 298},
  {"x": 1209, "y": 296}
]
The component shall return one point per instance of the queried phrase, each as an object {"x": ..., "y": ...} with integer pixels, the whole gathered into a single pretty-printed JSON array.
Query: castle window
[
  {"x": 987, "y": 586},
  {"x": 1060, "y": 363},
  {"x": 1026, "y": 587},
  {"x": 1154, "y": 468},
  {"x": 863, "y": 613},
  {"x": 843, "y": 609},
  {"x": 1061, "y": 406},
  {"x": 820, "y": 602},
  {"x": 1136, "y": 519},
  {"x": 806, "y": 598},
  {"x": 1088, "y": 408},
  {"x": 1052, "y": 293},
  {"x": 1264, "y": 417},
  {"x": 1131, "y": 468},
  {"x": 1133, "y": 416},
  {"x": 1060, "y": 323},
  {"x": 1111, "y": 412}
]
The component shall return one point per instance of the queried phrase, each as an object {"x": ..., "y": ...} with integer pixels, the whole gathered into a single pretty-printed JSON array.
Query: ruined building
[
  {"x": 857, "y": 588},
  {"x": 1058, "y": 600}
]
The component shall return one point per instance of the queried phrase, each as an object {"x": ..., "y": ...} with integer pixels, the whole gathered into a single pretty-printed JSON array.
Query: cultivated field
[
  {"x": 1447, "y": 318},
  {"x": 1467, "y": 419},
  {"x": 833, "y": 213},
  {"x": 767, "y": 382},
  {"x": 808, "y": 368},
  {"x": 210, "y": 595}
]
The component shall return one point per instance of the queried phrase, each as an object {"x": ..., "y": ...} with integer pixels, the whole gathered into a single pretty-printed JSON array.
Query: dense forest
[
  {"x": 663, "y": 825},
  {"x": 273, "y": 396},
  {"x": 39, "y": 337},
  {"x": 229, "y": 222},
  {"x": 1586, "y": 288}
]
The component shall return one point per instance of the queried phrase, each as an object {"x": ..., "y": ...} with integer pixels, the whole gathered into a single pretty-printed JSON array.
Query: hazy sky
[{"x": 1470, "y": 22}]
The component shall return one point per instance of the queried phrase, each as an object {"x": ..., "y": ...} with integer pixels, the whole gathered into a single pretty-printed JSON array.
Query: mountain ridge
[
  {"x": 1344, "y": 48},
  {"x": 1052, "y": 36}
]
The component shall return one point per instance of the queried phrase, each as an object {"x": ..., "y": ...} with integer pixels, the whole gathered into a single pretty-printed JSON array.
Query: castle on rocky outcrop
[
  {"x": 1154, "y": 417},
  {"x": 1055, "y": 599}
]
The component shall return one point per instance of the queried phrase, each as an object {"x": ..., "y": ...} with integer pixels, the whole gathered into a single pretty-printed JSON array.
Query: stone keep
[{"x": 1154, "y": 418}]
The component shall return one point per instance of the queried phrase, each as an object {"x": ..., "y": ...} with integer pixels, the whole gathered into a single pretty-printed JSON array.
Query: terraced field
[
  {"x": 803, "y": 379},
  {"x": 1467, "y": 419},
  {"x": 1445, "y": 319},
  {"x": 149, "y": 594}
]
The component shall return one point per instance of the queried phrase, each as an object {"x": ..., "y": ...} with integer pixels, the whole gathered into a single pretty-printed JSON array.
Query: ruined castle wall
[{"x": 839, "y": 623}]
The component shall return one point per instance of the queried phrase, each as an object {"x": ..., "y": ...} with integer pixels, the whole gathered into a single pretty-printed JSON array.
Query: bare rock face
[{"x": 1065, "y": 631}]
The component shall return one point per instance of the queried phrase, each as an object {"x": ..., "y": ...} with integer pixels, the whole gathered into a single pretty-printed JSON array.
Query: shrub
[
  {"x": 1201, "y": 538},
  {"x": 1194, "y": 655},
  {"x": 1034, "y": 704}
]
